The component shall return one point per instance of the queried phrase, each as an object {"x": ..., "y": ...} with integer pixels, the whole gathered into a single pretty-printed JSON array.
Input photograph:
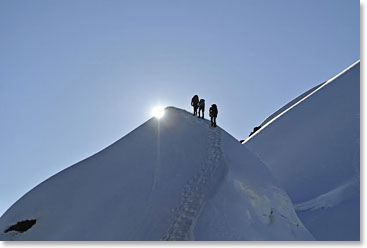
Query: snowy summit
[{"x": 177, "y": 178}]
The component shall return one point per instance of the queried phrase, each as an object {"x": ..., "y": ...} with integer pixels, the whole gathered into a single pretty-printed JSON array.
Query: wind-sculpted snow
[
  {"x": 196, "y": 191},
  {"x": 175, "y": 178},
  {"x": 249, "y": 190},
  {"x": 312, "y": 148},
  {"x": 332, "y": 198}
]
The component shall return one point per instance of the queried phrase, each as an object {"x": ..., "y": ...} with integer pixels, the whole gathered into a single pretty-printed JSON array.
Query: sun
[{"x": 158, "y": 112}]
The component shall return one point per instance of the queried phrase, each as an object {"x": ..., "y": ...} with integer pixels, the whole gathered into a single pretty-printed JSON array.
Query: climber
[
  {"x": 201, "y": 107},
  {"x": 213, "y": 112},
  {"x": 195, "y": 103}
]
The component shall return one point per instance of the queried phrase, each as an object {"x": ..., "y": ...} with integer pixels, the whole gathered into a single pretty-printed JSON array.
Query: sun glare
[{"x": 158, "y": 112}]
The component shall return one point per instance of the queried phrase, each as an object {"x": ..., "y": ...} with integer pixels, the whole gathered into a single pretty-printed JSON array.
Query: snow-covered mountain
[
  {"x": 312, "y": 147},
  {"x": 175, "y": 178}
]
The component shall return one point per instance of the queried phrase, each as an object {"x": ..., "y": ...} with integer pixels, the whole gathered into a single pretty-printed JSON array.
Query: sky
[{"x": 75, "y": 76}]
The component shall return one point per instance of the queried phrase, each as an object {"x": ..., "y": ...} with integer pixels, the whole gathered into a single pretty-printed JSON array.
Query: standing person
[
  {"x": 213, "y": 112},
  {"x": 202, "y": 107},
  {"x": 195, "y": 103}
]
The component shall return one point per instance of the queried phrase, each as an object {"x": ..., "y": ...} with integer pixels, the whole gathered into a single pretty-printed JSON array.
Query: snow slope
[
  {"x": 291, "y": 103},
  {"x": 170, "y": 179},
  {"x": 312, "y": 148}
]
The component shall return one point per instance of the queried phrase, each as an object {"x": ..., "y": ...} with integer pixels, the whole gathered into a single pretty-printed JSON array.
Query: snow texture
[
  {"x": 312, "y": 148},
  {"x": 175, "y": 178}
]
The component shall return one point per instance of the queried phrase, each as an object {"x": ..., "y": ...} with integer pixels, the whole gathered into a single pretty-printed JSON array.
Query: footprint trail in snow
[{"x": 195, "y": 192}]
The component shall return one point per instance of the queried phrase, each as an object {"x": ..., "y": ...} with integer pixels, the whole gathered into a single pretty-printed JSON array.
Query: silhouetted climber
[
  {"x": 195, "y": 103},
  {"x": 254, "y": 131},
  {"x": 213, "y": 112},
  {"x": 201, "y": 107}
]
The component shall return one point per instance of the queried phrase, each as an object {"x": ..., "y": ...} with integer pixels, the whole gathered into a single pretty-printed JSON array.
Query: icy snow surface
[
  {"x": 312, "y": 148},
  {"x": 175, "y": 178}
]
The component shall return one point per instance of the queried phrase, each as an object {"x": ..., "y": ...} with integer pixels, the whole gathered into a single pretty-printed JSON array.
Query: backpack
[
  {"x": 195, "y": 100},
  {"x": 214, "y": 110},
  {"x": 202, "y": 103}
]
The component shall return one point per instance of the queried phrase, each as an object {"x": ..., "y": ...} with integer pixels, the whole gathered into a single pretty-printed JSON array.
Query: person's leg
[
  {"x": 203, "y": 112},
  {"x": 195, "y": 110},
  {"x": 215, "y": 121},
  {"x": 211, "y": 120}
]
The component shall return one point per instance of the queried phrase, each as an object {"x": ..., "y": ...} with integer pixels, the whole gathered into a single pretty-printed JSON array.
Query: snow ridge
[
  {"x": 312, "y": 91},
  {"x": 331, "y": 198},
  {"x": 195, "y": 192}
]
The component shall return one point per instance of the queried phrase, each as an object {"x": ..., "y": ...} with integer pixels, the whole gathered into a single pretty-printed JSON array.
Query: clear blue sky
[{"x": 76, "y": 76}]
